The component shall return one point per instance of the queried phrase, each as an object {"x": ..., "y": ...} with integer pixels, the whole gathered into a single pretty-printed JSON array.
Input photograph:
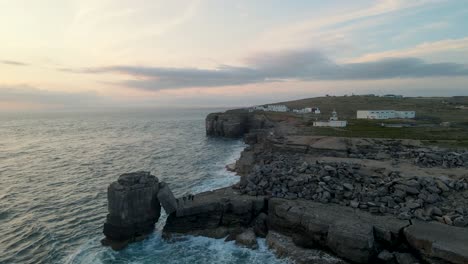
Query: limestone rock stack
[{"x": 133, "y": 207}]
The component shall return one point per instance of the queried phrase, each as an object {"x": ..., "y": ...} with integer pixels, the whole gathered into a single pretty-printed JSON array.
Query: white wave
[
  {"x": 222, "y": 177},
  {"x": 187, "y": 250}
]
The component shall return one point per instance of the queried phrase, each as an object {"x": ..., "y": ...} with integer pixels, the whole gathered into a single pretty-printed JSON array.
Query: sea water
[{"x": 55, "y": 169}]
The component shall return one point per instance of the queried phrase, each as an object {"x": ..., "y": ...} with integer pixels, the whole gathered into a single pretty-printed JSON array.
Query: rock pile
[
  {"x": 424, "y": 157},
  {"x": 441, "y": 159},
  {"x": 347, "y": 184}
]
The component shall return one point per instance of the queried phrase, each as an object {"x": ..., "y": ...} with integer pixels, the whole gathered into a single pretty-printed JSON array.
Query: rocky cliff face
[
  {"x": 233, "y": 124},
  {"x": 227, "y": 125},
  {"x": 134, "y": 207},
  {"x": 298, "y": 228}
]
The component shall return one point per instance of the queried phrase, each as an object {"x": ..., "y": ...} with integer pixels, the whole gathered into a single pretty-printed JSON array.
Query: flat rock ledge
[
  {"x": 134, "y": 207},
  {"x": 284, "y": 247},
  {"x": 312, "y": 232}
]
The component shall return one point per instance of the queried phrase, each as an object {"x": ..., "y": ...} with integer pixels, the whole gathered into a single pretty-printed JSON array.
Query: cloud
[
  {"x": 14, "y": 63},
  {"x": 29, "y": 94},
  {"x": 339, "y": 26},
  {"x": 304, "y": 65},
  {"x": 443, "y": 46}
]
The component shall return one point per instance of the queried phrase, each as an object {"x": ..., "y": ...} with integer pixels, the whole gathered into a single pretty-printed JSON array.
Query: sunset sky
[{"x": 78, "y": 54}]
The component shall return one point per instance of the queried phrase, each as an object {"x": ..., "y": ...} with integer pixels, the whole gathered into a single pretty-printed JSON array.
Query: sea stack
[{"x": 133, "y": 207}]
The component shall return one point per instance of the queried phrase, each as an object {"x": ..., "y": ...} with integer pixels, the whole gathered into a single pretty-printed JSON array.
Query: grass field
[
  {"x": 428, "y": 109},
  {"x": 430, "y": 112}
]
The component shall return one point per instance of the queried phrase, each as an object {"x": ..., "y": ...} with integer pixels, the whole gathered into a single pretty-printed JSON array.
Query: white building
[
  {"x": 333, "y": 122},
  {"x": 385, "y": 114},
  {"x": 307, "y": 110}
]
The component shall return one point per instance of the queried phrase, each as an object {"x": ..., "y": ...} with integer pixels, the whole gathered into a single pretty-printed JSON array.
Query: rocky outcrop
[
  {"x": 350, "y": 234},
  {"x": 436, "y": 242},
  {"x": 166, "y": 198},
  {"x": 424, "y": 157},
  {"x": 215, "y": 214},
  {"x": 302, "y": 229},
  {"x": 133, "y": 208},
  {"x": 230, "y": 125},
  {"x": 235, "y": 123},
  {"x": 284, "y": 247},
  {"x": 247, "y": 239}
]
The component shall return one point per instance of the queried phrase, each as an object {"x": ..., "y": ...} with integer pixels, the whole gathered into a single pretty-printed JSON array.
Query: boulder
[
  {"x": 284, "y": 247},
  {"x": 166, "y": 198},
  {"x": 435, "y": 241},
  {"x": 231, "y": 167},
  {"x": 133, "y": 207},
  {"x": 385, "y": 256},
  {"x": 405, "y": 258},
  {"x": 353, "y": 240},
  {"x": 247, "y": 238}
]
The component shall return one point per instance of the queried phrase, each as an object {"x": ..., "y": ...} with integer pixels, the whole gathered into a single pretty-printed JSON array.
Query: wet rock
[
  {"x": 231, "y": 167},
  {"x": 385, "y": 256},
  {"x": 247, "y": 239},
  {"x": 222, "y": 208},
  {"x": 133, "y": 207},
  {"x": 166, "y": 198}
]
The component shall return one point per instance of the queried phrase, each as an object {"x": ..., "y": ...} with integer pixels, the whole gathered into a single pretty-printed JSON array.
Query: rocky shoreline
[{"x": 323, "y": 199}]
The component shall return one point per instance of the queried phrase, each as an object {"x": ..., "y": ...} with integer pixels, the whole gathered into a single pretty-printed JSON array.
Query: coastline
[
  {"x": 319, "y": 199},
  {"x": 372, "y": 232}
]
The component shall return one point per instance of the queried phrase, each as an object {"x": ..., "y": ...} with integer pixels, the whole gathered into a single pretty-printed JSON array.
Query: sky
[{"x": 87, "y": 54}]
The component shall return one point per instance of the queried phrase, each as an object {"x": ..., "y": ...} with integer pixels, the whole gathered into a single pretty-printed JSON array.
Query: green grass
[
  {"x": 428, "y": 109},
  {"x": 430, "y": 112},
  {"x": 372, "y": 129}
]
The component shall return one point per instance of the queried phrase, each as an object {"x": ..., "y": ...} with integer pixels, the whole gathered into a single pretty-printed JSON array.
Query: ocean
[{"x": 55, "y": 169}]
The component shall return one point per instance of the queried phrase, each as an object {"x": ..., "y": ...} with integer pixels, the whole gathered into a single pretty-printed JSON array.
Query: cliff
[
  {"x": 235, "y": 124},
  {"x": 321, "y": 199}
]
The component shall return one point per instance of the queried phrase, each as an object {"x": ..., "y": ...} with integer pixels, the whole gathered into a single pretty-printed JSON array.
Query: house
[
  {"x": 385, "y": 114},
  {"x": 332, "y": 122},
  {"x": 307, "y": 110}
]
